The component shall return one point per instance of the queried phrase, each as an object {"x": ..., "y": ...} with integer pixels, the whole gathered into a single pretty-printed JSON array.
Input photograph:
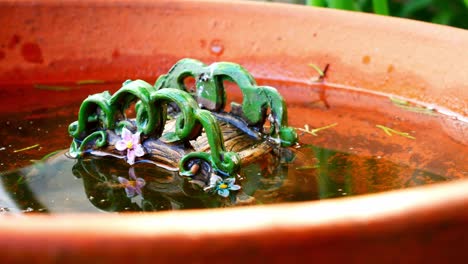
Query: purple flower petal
[
  {"x": 123, "y": 181},
  {"x": 130, "y": 156},
  {"x": 130, "y": 191},
  {"x": 140, "y": 183},
  {"x": 126, "y": 135},
  {"x": 136, "y": 138},
  {"x": 138, "y": 191},
  {"x": 121, "y": 145},
  {"x": 139, "y": 151},
  {"x": 131, "y": 173}
]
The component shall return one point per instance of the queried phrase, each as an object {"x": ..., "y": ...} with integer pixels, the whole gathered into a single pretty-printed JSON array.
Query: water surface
[{"x": 362, "y": 143}]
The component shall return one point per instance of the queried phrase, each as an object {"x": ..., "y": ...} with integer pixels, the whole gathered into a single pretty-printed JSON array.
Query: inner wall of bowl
[{"x": 113, "y": 42}]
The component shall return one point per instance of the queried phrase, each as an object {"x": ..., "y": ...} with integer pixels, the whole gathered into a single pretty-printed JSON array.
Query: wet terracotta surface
[
  {"x": 412, "y": 226},
  {"x": 111, "y": 40}
]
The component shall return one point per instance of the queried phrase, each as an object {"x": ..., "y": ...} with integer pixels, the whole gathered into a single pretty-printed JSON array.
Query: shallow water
[{"x": 352, "y": 155}]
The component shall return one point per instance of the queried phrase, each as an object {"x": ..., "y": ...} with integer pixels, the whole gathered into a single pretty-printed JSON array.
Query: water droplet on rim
[{"x": 216, "y": 47}]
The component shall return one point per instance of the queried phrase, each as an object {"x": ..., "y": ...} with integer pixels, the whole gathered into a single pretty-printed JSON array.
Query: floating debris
[
  {"x": 389, "y": 132},
  {"x": 316, "y": 68},
  {"x": 406, "y": 105},
  {"x": 21, "y": 180},
  {"x": 35, "y": 161},
  {"x": 52, "y": 87},
  {"x": 85, "y": 82},
  {"x": 26, "y": 148},
  {"x": 308, "y": 167},
  {"x": 50, "y": 155},
  {"x": 314, "y": 131},
  {"x": 321, "y": 72},
  {"x": 28, "y": 210}
]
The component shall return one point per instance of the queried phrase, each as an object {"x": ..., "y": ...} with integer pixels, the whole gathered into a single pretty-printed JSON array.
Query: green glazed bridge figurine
[{"x": 179, "y": 129}]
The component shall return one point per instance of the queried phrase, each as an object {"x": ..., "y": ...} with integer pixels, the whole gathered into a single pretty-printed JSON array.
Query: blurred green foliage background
[{"x": 447, "y": 12}]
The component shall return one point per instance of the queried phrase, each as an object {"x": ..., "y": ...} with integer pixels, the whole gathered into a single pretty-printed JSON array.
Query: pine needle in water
[
  {"x": 403, "y": 104},
  {"x": 316, "y": 68},
  {"x": 84, "y": 82},
  {"x": 390, "y": 132},
  {"x": 52, "y": 87},
  {"x": 308, "y": 167},
  {"x": 314, "y": 131},
  {"x": 26, "y": 148}
]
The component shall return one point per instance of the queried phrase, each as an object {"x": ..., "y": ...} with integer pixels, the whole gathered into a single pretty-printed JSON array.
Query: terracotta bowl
[{"x": 52, "y": 42}]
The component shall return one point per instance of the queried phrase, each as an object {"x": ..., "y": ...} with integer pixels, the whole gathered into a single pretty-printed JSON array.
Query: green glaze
[
  {"x": 219, "y": 158},
  {"x": 99, "y": 138},
  {"x": 208, "y": 91},
  {"x": 148, "y": 117},
  {"x": 89, "y": 116},
  {"x": 187, "y": 127},
  {"x": 101, "y": 112},
  {"x": 210, "y": 94},
  {"x": 104, "y": 112}
]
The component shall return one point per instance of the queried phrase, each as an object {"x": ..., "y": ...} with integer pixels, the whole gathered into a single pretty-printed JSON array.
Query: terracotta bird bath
[{"x": 53, "y": 42}]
